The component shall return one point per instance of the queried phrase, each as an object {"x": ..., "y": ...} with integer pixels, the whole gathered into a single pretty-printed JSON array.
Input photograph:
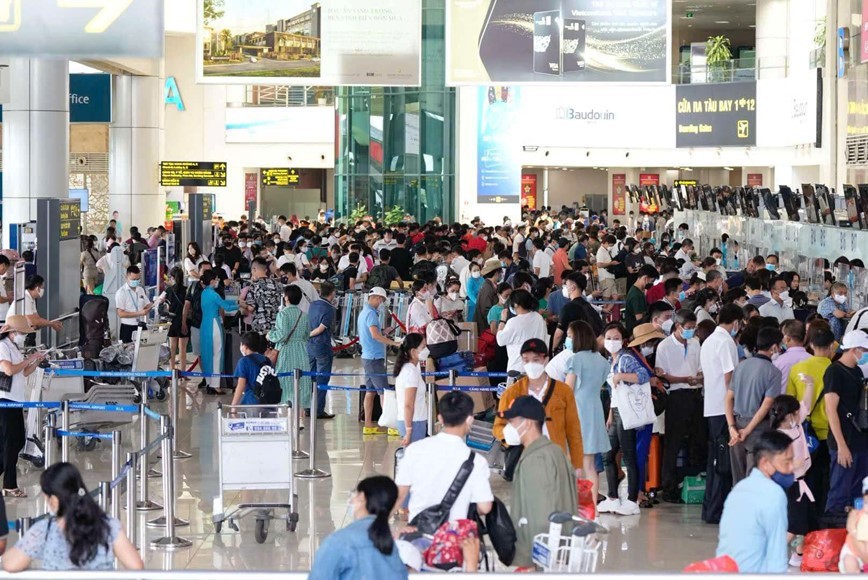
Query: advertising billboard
[
  {"x": 528, "y": 190},
  {"x": 718, "y": 115},
  {"x": 280, "y": 125},
  {"x": 619, "y": 194},
  {"x": 788, "y": 110},
  {"x": 499, "y": 169},
  {"x": 303, "y": 43},
  {"x": 863, "y": 38},
  {"x": 557, "y": 41}
]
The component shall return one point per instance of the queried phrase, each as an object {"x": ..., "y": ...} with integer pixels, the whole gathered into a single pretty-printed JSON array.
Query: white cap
[
  {"x": 410, "y": 555},
  {"x": 855, "y": 339},
  {"x": 865, "y": 486},
  {"x": 377, "y": 291}
]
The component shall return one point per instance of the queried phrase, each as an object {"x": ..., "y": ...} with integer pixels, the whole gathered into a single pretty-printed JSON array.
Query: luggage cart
[
  {"x": 255, "y": 453},
  {"x": 147, "y": 356},
  {"x": 575, "y": 552},
  {"x": 95, "y": 421}
]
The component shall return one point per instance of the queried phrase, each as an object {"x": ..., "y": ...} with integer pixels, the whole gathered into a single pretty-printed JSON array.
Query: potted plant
[
  {"x": 718, "y": 56},
  {"x": 320, "y": 96}
]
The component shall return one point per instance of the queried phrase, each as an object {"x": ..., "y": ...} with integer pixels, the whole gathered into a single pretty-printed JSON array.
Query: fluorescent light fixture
[
  {"x": 728, "y": 169},
  {"x": 531, "y": 148},
  {"x": 721, "y": 21}
]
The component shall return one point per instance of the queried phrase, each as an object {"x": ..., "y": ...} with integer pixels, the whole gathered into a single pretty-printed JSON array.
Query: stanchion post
[
  {"x": 116, "y": 471},
  {"x": 64, "y": 425},
  {"x": 297, "y": 452},
  {"x": 432, "y": 394},
  {"x": 170, "y": 541},
  {"x": 144, "y": 504},
  {"x": 132, "y": 459},
  {"x": 312, "y": 472},
  {"x": 105, "y": 491},
  {"x": 23, "y": 525},
  {"x": 176, "y": 409},
  {"x": 143, "y": 439},
  {"x": 49, "y": 435},
  {"x": 169, "y": 472},
  {"x": 453, "y": 378}
]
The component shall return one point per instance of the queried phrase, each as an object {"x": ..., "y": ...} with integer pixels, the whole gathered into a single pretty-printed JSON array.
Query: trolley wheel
[
  {"x": 86, "y": 443},
  {"x": 160, "y": 394},
  {"x": 38, "y": 462},
  {"x": 137, "y": 400},
  {"x": 261, "y": 532},
  {"x": 218, "y": 527},
  {"x": 292, "y": 522}
]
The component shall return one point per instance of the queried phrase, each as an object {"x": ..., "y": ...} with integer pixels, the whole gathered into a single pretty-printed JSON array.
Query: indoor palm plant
[{"x": 718, "y": 56}]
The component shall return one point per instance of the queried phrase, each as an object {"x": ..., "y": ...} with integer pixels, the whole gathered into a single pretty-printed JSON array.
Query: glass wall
[{"x": 396, "y": 144}]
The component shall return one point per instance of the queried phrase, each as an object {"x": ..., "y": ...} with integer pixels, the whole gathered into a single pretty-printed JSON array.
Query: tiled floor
[{"x": 662, "y": 539}]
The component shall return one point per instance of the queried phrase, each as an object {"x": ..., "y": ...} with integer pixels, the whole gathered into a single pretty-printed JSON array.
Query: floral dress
[{"x": 290, "y": 335}]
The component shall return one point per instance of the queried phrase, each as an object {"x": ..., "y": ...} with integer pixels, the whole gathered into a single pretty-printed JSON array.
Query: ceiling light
[
  {"x": 563, "y": 168},
  {"x": 728, "y": 169},
  {"x": 531, "y": 148},
  {"x": 721, "y": 21}
]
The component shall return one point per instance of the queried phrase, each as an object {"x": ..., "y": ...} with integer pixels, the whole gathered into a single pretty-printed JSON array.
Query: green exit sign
[{"x": 689, "y": 15}]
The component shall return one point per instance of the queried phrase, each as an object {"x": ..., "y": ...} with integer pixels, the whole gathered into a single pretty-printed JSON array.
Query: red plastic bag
[
  {"x": 587, "y": 501},
  {"x": 720, "y": 565},
  {"x": 822, "y": 550}
]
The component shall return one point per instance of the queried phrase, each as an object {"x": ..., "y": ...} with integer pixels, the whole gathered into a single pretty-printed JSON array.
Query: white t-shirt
[
  {"x": 344, "y": 263},
  {"x": 518, "y": 330},
  {"x": 411, "y": 377},
  {"x": 558, "y": 366},
  {"x": 604, "y": 257},
  {"x": 10, "y": 352},
  {"x": 679, "y": 360},
  {"x": 131, "y": 300},
  {"x": 542, "y": 261},
  {"x": 417, "y": 315},
  {"x": 191, "y": 268},
  {"x": 429, "y": 467},
  {"x": 517, "y": 241},
  {"x": 782, "y": 313},
  {"x": 285, "y": 259},
  {"x": 285, "y": 233},
  {"x": 4, "y": 307},
  {"x": 29, "y": 305},
  {"x": 309, "y": 294},
  {"x": 718, "y": 356},
  {"x": 301, "y": 262}
]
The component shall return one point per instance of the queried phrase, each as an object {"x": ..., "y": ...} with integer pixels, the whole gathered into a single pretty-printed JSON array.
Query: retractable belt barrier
[{"x": 112, "y": 374}]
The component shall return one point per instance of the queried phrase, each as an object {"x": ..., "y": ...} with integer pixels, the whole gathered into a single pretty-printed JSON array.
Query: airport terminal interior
[{"x": 442, "y": 196}]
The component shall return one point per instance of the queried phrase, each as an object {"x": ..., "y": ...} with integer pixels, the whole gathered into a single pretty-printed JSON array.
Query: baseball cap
[
  {"x": 527, "y": 407},
  {"x": 534, "y": 345},
  {"x": 377, "y": 291},
  {"x": 855, "y": 339},
  {"x": 865, "y": 486}
]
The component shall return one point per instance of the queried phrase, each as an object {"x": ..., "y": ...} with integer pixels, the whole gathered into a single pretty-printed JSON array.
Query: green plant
[
  {"x": 820, "y": 33},
  {"x": 718, "y": 56},
  {"x": 213, "y": 11},
  {"x": 358, "y": 213},
  {"x": 394, "y": 216}
]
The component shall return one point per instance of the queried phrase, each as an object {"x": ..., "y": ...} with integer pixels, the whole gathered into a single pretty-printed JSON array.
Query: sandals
[{"x": 17, "y": 492}]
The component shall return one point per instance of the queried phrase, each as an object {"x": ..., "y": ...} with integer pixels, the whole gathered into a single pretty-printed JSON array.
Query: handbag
[
  {"x": 634, "y": 403},
  {"x": 500, "y": 529},
  {"x": 430, "y": 519},
  {"x": 389, "y": 417},
  {"x": 810, "y": 434},
  {"x": 659, "y": 394}
]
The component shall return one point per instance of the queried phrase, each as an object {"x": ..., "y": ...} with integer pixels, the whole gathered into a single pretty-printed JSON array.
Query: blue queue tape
[
  {"x": 437, "y": 374},
  {"x": 467, "y": 389},
  {"x": 206, "y": 375},
  {"x": 112, "y": 374},
  {"x": 336, "y": 388},
  {"x": 62, "y": 433},
  {"x": 152, "y": 414},
  {"x": 311, "y": 374},
  {"x": 132, "y": 409},
  {"x": 29, "y": 405},
  {"x": 482, "y": 374}
]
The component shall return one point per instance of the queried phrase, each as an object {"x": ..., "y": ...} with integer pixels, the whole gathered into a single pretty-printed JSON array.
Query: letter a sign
[{"x": 173, "y": 94}]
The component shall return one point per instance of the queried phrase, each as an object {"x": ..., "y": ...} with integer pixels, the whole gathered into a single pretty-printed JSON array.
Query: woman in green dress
[{"x": 289, "y": 335}]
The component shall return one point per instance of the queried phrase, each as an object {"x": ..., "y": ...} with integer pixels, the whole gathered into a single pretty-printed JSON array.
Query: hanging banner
[
  {"x": 716, "y": 115},
  {"x": 499, "y": 169},
  {"x": 649, "y": 179},
  {"x": 755, "y": 179},
  {"x": 557, "y": 41},
  {"x": 619, "y": 194},
  {"x": 250, "y": 181},
  {"x": 863, "y": 48},
  {"x": 528, "y": 190}
]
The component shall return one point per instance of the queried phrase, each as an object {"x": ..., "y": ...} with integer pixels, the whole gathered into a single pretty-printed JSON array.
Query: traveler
[
  {"x": 578, "y": 308},
  {"x": 179, "y": 332},
  {"x": 132, "y": 304},
  {"x": 193, "y": 312},
  {"x": 321, "y": 318},
  {"x": 525, "y": 324},
  {"x": 562, "y": 426},
  {"x": 487, "y": 296},
  {"x": 410, "y": 389},
  {"x": 383, "y": 274},
  {"x": 211, "y": 334},
  {"x": 753, "y": 529},
  {"x": 5, "y": 299},
  {"x": 854, "y": 553},
  {"x": 780, "y": 305},
  {"x": 625, "y": 368},
  {"x": 289, "y": 336},
  {"x": 421, "y": 311},
  {"x": 835, "y": 310},
  {"x": 77, "y": 536},
  {"x": 309, "y": 293},
  {"x": 606, "y": 259},
  {"x": 89, "y": 272},
  {"x": 374, "y": 344},
  {"x": 544, "y": 481},
  {"x": 450, "y": 305},
  {"x": 635, "y": 310},
  {"x": 718, "y": 358},
  {"x": 586, "y": 374},
  {"x": 430, "y": 466},
  {"x": 264, "y": 297},
  {"x": 472, "y": 287},
  {"x": 792, "y": 350},
  {"x": 848, "y": 445},
  {"x": 678, "y": 362}
]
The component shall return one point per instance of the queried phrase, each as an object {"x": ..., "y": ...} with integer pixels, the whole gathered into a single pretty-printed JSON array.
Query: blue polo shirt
[
  {"x": 371, "y": 349},
  {"x": 321, "y": 312}
]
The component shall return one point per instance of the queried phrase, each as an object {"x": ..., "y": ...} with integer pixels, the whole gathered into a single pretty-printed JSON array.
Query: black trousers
[
  {"x": 12, "y": 436},
  {"x": 818, "y": 476},
  {"x": 684, "y": 425},
  {"x": 623, "y": 440},
  {"x": 719, "y": 471}
]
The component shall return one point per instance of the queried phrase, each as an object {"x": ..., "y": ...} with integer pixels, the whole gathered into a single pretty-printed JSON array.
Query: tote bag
[
  {"x": 634, "y": 404},
  {"x": 389, "y": 418}
]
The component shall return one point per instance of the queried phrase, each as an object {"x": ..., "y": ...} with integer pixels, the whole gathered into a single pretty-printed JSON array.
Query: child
[
  {"x": 854, "y": 554},
  {"x": 252, "y": 347},
  {"x": 787, "y": 415}
]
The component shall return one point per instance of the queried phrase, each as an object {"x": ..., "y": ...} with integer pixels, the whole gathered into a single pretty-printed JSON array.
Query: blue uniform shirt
[{"x": 371, "y": 349}]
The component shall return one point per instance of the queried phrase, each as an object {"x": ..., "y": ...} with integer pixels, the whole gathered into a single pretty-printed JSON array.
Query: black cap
[
  {"x": 526, "y": 407},
  {"x": 535, "y": 345}
]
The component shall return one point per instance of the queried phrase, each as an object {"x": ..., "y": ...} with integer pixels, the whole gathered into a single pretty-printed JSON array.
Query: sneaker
[
  {"x": 796, "y": 560},
  {"x": 325, "y": 415},
  {"x": 373, "y": 431},
  {"x": 609, "y": 506},
  {"x": 628, "y": 508}
]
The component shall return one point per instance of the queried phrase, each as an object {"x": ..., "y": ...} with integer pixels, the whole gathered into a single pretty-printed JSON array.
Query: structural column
[
  {"x": 35, "y": 138},
  {"x": 134, "y": 145}
]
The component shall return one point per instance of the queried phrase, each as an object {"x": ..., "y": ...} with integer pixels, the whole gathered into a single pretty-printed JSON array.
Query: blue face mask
[
  {"x": 135, "y": 283},
  {"x": 864, "y": 359},
  {"x": 786, "y": 481},
  {"x": 682, "y": 296},
  {"x": 568, "y": 344},
  {"x": 734, "y": 332},
  {"x": 783, "y": 347},
  {"x": 770, "y": 267},
  {"x": 688, "y": 333}
]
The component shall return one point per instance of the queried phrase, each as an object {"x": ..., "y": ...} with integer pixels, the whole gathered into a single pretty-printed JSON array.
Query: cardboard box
[
  {"x": 469, "y": 338},
  {"x": 482, "y": 400}
]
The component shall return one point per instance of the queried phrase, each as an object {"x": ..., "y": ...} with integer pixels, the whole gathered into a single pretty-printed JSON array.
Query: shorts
[
  {"x": 175, "y": 330},
  {"x": 621, "y": 286},
  {"x": 375, "y": 371},
  {"x": 608, "y": 287}
]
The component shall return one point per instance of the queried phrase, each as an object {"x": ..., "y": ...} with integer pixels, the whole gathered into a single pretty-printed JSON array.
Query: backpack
[
  {"x": 425, "y": 267},
  {"x": 619, "y": 271},
  {"x": 860, "y": 421},
  {"x": 379, "y": 276},
  {"x": 267, "y": 388},
  {"x": 441, "y": 335}
]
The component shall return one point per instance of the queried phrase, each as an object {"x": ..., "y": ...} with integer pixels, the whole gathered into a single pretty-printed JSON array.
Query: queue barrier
[{"x": 112, "y": 374}]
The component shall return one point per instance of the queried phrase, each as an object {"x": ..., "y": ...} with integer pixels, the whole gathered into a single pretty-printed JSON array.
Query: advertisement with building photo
[
  {"x": 296, "y": 42},
  {"x": 557, "y": 41}
]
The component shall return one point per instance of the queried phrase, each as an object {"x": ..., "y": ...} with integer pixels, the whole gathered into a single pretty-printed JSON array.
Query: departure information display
[
  {"x": 279, "y": 176},
  {"x": 193, "y": 173},
  {"x": 69, "y": 219}
]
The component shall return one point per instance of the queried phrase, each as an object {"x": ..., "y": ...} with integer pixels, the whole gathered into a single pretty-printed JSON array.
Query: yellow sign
[
  {"x": 279, "y": 176},
  {"x": 193, "y": 173}
]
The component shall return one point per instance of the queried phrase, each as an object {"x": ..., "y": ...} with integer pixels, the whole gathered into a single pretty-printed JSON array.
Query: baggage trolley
[
  {"x": 124, "y": 394},
  {"x": 254, "y": 445},
  {"x": 575, "y": 552},
  {"x": 148, "y": 356}
]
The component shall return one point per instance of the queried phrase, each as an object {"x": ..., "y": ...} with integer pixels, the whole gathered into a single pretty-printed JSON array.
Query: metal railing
[
  {"x": 284, "y": 96},
  {"x": 731, "y": 71}
]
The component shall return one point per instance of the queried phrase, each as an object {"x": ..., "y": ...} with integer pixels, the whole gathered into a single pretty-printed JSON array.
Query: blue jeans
[
  {"x": 845, "y": 484},
  {"x": 321, "y": 358}
]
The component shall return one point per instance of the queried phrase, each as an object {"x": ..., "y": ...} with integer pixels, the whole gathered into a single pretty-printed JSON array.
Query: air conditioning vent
[{"x": 88, "y": 163}]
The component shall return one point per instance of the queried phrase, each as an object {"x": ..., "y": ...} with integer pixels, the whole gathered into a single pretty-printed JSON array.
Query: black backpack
[
  {"x": 619, "y": 271},
  {"x": 379, "y": 277},
  {"x": 267, "y": 388}
]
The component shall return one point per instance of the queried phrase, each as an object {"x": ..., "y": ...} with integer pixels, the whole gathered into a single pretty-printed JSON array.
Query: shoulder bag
[{"x": 430, "y": 519}]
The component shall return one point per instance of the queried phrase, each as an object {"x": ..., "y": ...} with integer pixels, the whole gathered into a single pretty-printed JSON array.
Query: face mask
[
  {"x": 864, "y": 359},
  {"x": 667, "y": 326},
  {"x": 682, "y": 296},
  {"x": 452, "y": 295},
  {"x": 565, "y": 292},
  {"x": 840, "y": 298},
  {"x": 770, "y": 267},
  {"x": 786, "y": 481},
  {"x": 734, "y": 331},
  {"x": 613, "y": 346},
  {"x": 568, "y": 344},
  {"x": 276, "y": 240},
  {"x": 424, "y": 353},
  {"x": 19, "y": 340},
  {"x": 323, "y": 267},
  {"x": 426, "y": 295},
  {"x": 688, "y": 333},
  {"x": 647, "y": 350},
  {"x": 512, "y": 311},
  {"x": 785, "y": 295},
  {"x": 476, "y": 274},
  {"x": 135, "y": 283},
  {"x": 511, "y": 435},
  {"x": 40, "y": 293},
  {"x": 718, "y": 261},
  {"x": 534, "y": 370},
  {"x": 503, "y": 300}
]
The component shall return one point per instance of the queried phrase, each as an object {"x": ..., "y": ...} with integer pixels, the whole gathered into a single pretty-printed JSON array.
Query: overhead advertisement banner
[
  {"x": 619, "y": 194},
  {"x": 299, "y": 42},
  {"x": 788, "y": 110},
  {"x": 280, "y": 124},
  {"x": 557, "y": 41},
  {"x": 863, "y": 48},
  {"x": 499, "y": 169},
  {"x": 718, "y": 115},
  {"x": 597, "y": 116}
]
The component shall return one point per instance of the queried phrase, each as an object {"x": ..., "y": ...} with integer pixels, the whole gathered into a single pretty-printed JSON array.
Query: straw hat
[
  {"x": 19, "y": 324},
  {"x": 491, "y": 264},
  {"x": 645, "y": 332}
]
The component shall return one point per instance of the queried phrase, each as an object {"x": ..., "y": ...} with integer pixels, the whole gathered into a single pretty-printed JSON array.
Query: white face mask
[
  {"x": 453, "y": 295},
  {"x": 840, "y": 298},
  {"x": 424, "y": 353},
  {"x": 647, "y": 350},
  {"x": 534, "y": 370},
  {"x": 40, "y": 293},
  {"x": 19, "y": 340},
  {"x": 667, "y": 326},
  {"x": 511, "y": 435},
  {"x": 565, "y": 292},
  {"x": 613, "y": 346},
  {"x": 476, "y": 274}
]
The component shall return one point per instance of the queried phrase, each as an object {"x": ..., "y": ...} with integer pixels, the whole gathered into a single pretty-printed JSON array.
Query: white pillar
[
  {"x": 35, "y": 138},
  {"x": 134, "y": 144},
  {"x": 545, "y": 187},
  {"x": 772, "y": 38}
]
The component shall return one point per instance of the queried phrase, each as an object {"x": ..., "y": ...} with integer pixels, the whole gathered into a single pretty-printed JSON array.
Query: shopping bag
[
  {"x": 822, "y": 550},
  {"x": 635, "y": 405},
  {"x": 587, "y": 501},
  {"x": 722, "y": 564},
  {"x": 389, "y": 418}
]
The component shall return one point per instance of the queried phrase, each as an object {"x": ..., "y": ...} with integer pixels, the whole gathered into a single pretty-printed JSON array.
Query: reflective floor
[{"x": 663, "y": 539}]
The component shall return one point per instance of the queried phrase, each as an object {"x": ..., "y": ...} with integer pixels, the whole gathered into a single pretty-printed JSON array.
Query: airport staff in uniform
[{"x": 133, "y": 304}]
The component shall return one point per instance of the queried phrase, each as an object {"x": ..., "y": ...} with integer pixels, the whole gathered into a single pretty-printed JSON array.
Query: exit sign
[{"x": 689, "y": 15}]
